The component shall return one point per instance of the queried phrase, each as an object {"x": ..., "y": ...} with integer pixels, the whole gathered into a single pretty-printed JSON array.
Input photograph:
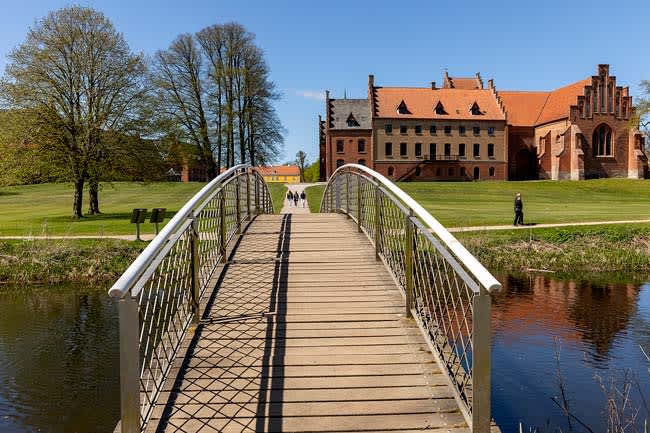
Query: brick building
[{"x": 464, "y": 130}]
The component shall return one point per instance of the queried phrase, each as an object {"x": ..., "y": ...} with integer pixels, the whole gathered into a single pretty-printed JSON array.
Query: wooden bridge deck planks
[{"x": 305, "y": 332}]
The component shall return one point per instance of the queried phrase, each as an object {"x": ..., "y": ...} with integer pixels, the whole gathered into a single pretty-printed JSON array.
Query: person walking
[
  {"x": 290, "y": 197},
  {"x": 295, "y": 198},
  {"x": 302, "y": 197},
  {"x": 519, "y": 210}
]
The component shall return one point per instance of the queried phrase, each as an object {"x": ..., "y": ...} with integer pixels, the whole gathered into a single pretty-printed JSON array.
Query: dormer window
[
  {"x": 439, "y": 109},
  {"x": 402, "y": 108},
  {"x": 352, "y": 122},
  {"x": 475, "y": 110}
]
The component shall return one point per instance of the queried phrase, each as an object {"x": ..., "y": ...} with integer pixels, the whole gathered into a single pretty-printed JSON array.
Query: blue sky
[{"x": 312, "y": 46}]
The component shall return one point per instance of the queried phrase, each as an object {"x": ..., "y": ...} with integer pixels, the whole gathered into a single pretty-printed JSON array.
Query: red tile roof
[
  {"x": 523, "y": 108},
  {"x": 280, "y": 170},
  {"x": 422, "y": 101},
  {"x": 464, "y": 83},
  {"x": 537, "y": 108}
]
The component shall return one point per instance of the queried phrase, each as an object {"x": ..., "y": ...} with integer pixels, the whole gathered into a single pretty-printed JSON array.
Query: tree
[
  {"x": 215, "y": 85},
  {"x": 77, "y": 78},
  {"x": 301, "y": 160},
  {"x": 312, "y": 172},
  {"x": 642, "y": 111}
]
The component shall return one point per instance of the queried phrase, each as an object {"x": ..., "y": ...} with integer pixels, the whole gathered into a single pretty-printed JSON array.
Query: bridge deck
[{"x": 306, "y": 333}]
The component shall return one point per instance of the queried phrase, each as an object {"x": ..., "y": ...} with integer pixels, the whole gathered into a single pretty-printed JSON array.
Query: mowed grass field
[
  {"x": 460, "y": 204},
  {"x": 46, "y": 209}
]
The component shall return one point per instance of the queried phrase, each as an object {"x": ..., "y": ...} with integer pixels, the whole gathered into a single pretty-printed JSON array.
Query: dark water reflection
[
  {"x": 59, "y": 357},
  {"x": 599, "y": 328},
  {"x": 58, "y": 360}
]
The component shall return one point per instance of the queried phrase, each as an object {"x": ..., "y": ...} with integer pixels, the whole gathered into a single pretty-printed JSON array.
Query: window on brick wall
[
  {"x": 490, "y": 130},
  {"x": 476, "y": 130},
  {"x": 450, "y": 171},
  {"x": 602, "y": 141},
  {"x": 391, "y": 171},
  {"x": 339, "y": 163},
  {"x": 463, "y": 172},
  {"x": 432, "y": 151},
  {"x": 389, "y": 149},
  {"x": 490, "y": 150},
  {"x": 418, "y": 129},
  {"x": 433, "y": 130},
  {"x": 477, "y": 150},
  {"x": 402, "y": 149},
  {"x": 362, "y": 162},
  {"x": 403, "y": 129},
  {"x": 461, "y": 130},
  {"x": 418, "y": 149},
  {"x": 447, "y": 129},
  {"x": 361, "y": 145},
  {"x": 339, "y": 146},
  {"x": 461, "y": 150},
  {"x": 447, "y": 149},
  {"x": 388, "y": 128},
  {"x": 491, "y": 171}
]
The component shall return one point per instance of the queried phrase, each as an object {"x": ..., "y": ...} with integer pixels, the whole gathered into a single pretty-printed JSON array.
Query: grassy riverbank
[
  {"x": 566, "y": 250},
  {"x": 66, "y": 261}
]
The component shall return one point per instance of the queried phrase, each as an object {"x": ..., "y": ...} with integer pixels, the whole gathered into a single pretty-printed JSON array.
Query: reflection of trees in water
[
  {"x": 61, "y": 354},
  {"x": 574, "y": 310}
]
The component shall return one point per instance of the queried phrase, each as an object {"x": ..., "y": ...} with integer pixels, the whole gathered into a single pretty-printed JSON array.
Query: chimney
[
  {"x": 371, "y": 81},
  {"x": 479, "y": 81},
  {"x": 491, "y": 83},
  {"x": 433, "y": 85}
]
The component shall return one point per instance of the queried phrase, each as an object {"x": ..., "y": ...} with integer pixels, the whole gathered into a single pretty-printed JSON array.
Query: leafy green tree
[
  {"x": 301, "y": 161},
  {"x": 312, "y": 172},
  {"x": 76, "y": 78}
]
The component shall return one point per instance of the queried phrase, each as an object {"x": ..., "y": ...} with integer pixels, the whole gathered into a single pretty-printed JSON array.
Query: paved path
[
  {"x": 289, "y": 207},
  {"x": 305, "y": 332},
  {"x": 539, "y": 226}
]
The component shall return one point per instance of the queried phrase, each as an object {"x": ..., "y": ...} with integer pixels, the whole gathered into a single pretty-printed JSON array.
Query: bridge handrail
[
  {"x": 447, "y": 290},
  {"x": 159, "y": 295},
  {"x": 133, "y": 273},
  {"x": 484, "y": 277}
]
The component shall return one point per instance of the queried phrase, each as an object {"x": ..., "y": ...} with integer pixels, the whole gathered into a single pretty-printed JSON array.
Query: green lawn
[
  {"x": 278, "y": 192},
  {"x": 491, "y": 203},
  {"x": 314, "y": 195},
  {"x": 41, "y": 209}
]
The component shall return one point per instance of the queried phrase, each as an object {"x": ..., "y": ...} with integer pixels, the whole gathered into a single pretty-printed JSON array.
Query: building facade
[
  {"x": 464, "y": 130},
  {"x": 280, "y": 173}
]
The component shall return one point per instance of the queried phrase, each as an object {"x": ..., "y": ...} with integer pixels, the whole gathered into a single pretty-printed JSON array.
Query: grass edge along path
[{"x": 314, "y": 195}]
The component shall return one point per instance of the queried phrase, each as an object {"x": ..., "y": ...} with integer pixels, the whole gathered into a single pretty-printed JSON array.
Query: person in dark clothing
[
  {"x": 519, "y": 210},
  {"x": 295, "y": 198},
  {"x": 302, "y": 198},
  {"x": 290, "y": 197}
]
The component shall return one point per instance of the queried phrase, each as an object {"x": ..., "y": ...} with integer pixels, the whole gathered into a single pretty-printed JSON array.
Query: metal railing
[
  {"x": 447, "y": 291},
  {"x": 159, "y": 294}
]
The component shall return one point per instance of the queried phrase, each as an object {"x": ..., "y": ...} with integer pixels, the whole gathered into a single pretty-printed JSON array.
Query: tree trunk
[
  {"x": 78, "y": 198},
  {"x": 93, "y": 197}
]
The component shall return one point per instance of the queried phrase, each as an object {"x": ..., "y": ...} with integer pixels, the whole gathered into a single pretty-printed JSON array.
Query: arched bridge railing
[
  {"x": 447, "y": 291},
  {"x": 159, "y": 293}
]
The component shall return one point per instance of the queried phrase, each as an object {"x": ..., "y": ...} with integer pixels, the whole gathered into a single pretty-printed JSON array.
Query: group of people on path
[{"x": 294, "y": 196}]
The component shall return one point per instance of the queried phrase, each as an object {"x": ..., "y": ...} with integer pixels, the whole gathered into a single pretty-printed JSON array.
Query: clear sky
[{"x": 316, "y": 45}]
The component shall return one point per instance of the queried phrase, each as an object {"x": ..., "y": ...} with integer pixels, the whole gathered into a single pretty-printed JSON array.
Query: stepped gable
[
  {"x": 421, "y": 103},
  {"x": 342, "y": 110}
]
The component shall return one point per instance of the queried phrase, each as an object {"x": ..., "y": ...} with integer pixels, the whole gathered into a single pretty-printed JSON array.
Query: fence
[
  {"x": 447, "y": 291},
  {"x": 159, "y": 294}
]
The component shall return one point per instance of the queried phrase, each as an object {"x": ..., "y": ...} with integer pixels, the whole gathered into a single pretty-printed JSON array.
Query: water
[
  {"x": 59, "y": 357},
  {"x": 58, "y": 360},
  {"x": 597, "y": 329}
]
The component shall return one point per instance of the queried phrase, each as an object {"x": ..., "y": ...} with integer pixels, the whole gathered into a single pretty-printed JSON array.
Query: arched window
[
  {"x": 339, "y": 163},
  {"x": 491, "y": 171},
  {"x": 391, "y": 170},
  {"x": 602, "y": 141},
  {"x": 362, "y": 162},
  {"x": 477, "y": 173}
]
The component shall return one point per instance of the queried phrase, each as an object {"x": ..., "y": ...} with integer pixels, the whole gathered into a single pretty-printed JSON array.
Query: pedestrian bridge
[{"x": 366, "y": 317}]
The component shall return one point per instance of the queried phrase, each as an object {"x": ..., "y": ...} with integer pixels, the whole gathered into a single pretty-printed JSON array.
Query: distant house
[{"x": 281, "y": 173}]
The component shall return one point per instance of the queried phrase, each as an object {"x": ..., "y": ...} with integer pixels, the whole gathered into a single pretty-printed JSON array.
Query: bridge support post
[
  {"x": 129, "y": 365},
  {"x": 238, "y": 205},
  {"x": 347, "y": 195},
  {"x": 481, "y": 363},
  {"x": 359, "y": 211},
  {"x": 408, "y": 263},
  {"x": 257, "y": 197},
  {"x": 195, "y": 263},
  {"x": 222, "y": 227},
  {"x": 378, "y": 224},
  {"x": 248, "y": 197}
]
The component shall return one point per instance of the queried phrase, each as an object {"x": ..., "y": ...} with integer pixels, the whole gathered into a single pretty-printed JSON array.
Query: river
[{"x": 59, "y": 357}]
